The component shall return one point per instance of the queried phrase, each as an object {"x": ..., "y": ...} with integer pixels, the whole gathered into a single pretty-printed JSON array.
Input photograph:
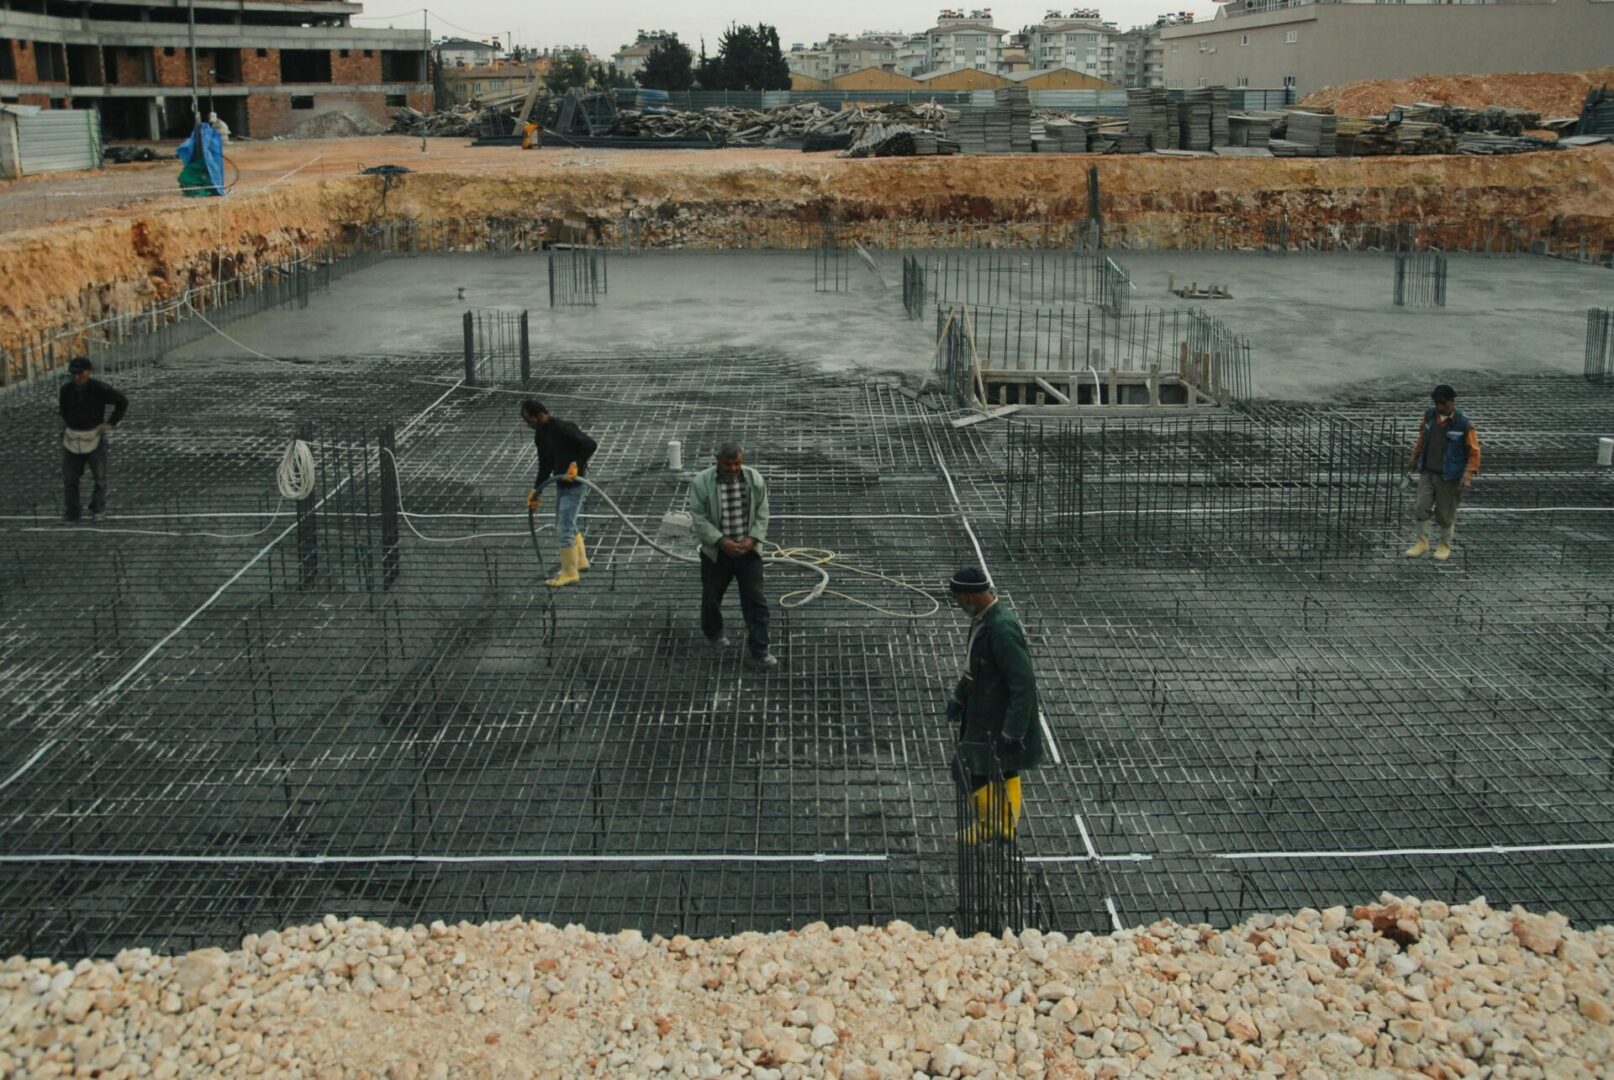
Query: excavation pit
[{"x": 1237, "y": 671}]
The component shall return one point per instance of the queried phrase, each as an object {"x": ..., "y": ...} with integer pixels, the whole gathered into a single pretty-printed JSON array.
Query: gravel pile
[{"x": 1399, "y": 986}]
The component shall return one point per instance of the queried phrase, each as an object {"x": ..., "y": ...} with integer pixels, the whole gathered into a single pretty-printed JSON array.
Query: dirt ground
[
  {"x": 1548, "y": 93},
  {"x": 263, "y": 166}
]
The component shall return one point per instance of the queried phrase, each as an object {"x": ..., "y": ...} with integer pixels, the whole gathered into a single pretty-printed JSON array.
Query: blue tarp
[{"x": 212, "y": 160}]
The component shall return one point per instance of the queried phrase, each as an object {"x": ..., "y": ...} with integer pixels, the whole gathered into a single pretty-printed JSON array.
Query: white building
[
  {"x": 630, "y": 59},
  {"x": 1081, "y": 41},
  {"x": 815, "y": 63},
  {"x": 463, "y": 52},
  {"x": 960, "y": 40},
  {"x": 866, "y": 51},
  {"x": 913, "y": 54}
]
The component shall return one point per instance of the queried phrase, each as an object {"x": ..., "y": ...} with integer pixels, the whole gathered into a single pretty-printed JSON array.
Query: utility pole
[{"x": 190, "y": 19}]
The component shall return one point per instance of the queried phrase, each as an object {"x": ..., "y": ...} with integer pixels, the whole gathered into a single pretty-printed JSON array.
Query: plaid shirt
[{"x": 736, "y": 507}]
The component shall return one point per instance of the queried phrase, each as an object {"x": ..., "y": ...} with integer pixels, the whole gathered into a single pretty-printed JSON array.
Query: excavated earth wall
[{"x": 66, "y": 275}]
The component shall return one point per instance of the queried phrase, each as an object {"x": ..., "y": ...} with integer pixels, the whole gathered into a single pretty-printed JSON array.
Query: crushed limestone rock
[{"x": 1396, "y": 987}]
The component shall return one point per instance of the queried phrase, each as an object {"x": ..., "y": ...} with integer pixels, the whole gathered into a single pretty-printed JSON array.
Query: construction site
[{"x": 1166, "y": 404}]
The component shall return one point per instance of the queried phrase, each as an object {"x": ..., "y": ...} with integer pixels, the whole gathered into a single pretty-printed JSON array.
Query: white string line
[
  {"x": 449, "y": 860},
  {"x": 670, "y": 404},
  {"x": 1395, "y": 853}
]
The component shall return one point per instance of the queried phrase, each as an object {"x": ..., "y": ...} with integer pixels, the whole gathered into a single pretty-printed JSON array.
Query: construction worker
[
  {"x": 1446, "y": 458},
  {"x": 729, "y": 505},
  {"x": 83, "y": 403},
  {"x": 995, "y": 707},
  {"x": 563, "y": 452}
]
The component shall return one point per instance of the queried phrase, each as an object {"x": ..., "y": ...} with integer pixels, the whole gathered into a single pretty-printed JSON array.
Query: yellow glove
[
  {"x": 571, "y": 471},
  {"x": 532, "y": 500}
]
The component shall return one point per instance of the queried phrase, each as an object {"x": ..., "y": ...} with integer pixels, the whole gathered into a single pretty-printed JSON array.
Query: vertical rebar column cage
[
  {"x": 1036, "y": 277},
  {"x": 831, "y": 265},
  {"x": 1277, "y": 235},
  {"x": 577, "y": 276},
  {"x": 913, "y": 286},
  {"x": 1216, "y": 360},
  {"x": 1114, "y": 283},
  {"x": 1599, "y": 344},
  {"x": 956, "y": 360},
  {"x": 1420, "y": 279},
  {"x": 497, "y": 346},
  {"x": 995, "y": 889}
]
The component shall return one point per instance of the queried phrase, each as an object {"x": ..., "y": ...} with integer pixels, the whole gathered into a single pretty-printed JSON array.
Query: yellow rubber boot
[
  {"x": 582, "y": 554},
  {"x": 1009, "y": 809},
  {"x": 568, "y": 569},
  {"x": 1422, "y": 546},
  {"x": 1443, "y": 549},
  {"x": 982, "y": 829}
]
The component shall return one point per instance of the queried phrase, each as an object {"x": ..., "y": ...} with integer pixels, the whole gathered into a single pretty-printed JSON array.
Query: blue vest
[{"x": 1454, "y": 458}]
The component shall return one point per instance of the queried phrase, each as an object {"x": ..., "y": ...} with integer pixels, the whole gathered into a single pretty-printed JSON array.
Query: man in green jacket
[
  {"x": 995, "y": 706},
  {"x": 729, "y": 505}
]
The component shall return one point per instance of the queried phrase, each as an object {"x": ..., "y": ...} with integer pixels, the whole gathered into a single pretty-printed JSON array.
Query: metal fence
[
  {"x": 1420, "y": 279},
  {"x": 1599, "y": 343}
]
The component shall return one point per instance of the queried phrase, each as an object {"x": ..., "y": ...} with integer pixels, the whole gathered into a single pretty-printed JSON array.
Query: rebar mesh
[
  {"x": 498, "y": 346},
  {"x": 1008, "y": 278},
  {"x": 200, "y": 740}
]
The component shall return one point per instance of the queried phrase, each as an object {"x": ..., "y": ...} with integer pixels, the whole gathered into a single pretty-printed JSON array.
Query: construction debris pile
[
  {"x": 459, "y": 121},
  {"x": 788, "y": 123},
  {"x": 899, "y": 140}
]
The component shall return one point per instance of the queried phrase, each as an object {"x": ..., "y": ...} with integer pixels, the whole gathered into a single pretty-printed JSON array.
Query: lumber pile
[
  {"x": 1149, "y": 112},
  {"x": 898, "y": 140},
  {"x": 1314, "y": 130},
  {"x": 1364, "y": 137},
  {"x": 1193, "y": 121},
  {"x": 1074, "y": 135},
  {"x": 1480, "y": 143}
]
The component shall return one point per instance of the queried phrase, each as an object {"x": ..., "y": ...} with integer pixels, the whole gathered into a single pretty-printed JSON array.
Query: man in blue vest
[{"x": 1446, "y": 458}]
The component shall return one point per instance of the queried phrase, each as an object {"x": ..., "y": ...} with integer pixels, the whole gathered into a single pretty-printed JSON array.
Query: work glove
[
  {"x": 571, "y": 471},
  {"x": 532, "y": 500},
  {"x": 955, "y": 710}
]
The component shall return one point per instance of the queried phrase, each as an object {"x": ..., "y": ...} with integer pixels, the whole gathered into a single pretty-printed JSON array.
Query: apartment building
[
  {"x": 1080, "y": 40},
  {"x": 849, "y": 54},
  {"x": 1140, "y": 53},
  {"x": 263, "y": 66},
  {"x": 1306, "y": 45},
  {"x": 816, "y": 62},
  {"x": 960, "y": 40},
  {"x": 631, "y": 59}
]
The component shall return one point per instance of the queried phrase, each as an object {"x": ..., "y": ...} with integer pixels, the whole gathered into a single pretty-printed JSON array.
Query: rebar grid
[
  {"x": 1246, "y": 722},
  {"x": 497, "y": 346}
]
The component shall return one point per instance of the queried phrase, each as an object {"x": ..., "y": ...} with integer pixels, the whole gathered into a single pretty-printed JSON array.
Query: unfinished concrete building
[{"x": 263, "y": 67}]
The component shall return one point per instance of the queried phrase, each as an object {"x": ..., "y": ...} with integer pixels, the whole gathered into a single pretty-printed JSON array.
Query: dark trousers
[
  {"x": 715, "y": 578},
  {"x": 73, "y": 468}
]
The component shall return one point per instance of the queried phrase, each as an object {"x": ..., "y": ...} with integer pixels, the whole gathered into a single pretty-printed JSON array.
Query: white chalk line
[{"x": 1402, "y": 853}]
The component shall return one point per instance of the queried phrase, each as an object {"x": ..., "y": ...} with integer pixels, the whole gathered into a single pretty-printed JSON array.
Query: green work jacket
[
  {"x": 1000, "y": 697},
  {"x": 706, "y": 508}
]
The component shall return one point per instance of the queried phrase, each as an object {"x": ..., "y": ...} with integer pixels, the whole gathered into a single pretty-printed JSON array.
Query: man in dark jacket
[
  {"x": 563, "y": 452},
  {"x": 83, "y": 403},
  {"x": 1446, "y": 458},
  {"x": 995, "y": 705}
]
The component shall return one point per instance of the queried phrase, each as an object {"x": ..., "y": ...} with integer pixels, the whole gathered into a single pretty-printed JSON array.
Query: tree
[
  {"x": 608, "y": 77},
  {"x": 670, "y": 65},
  {"x": 708, "y": 71},
  {"x": 566, "y": 72},
  {"x": 748, "y": 58}
]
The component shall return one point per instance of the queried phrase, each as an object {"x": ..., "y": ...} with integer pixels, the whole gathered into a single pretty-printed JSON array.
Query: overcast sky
[{"x": 606, "y": 25}]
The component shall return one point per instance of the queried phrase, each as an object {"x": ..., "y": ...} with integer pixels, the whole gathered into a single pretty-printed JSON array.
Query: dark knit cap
[
  {"x": 970, "y": 579},
  {"x": 80, "y": 363}
]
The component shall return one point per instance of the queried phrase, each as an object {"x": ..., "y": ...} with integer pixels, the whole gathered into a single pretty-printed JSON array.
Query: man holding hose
[
  {"x": 563, "y": 452},
  {"x": 728, "y": 503}
]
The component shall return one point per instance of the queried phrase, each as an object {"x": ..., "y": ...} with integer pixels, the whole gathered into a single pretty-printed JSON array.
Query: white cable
[{"x": 295, "y": 476}]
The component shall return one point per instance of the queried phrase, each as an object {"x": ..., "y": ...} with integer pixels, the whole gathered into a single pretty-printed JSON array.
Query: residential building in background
[
  {"x": 1307, "y": 46},
  {"x": 1141, "y": 56},
  {"x": 264, "y": 66},
  {"x": 913, "y": 53},
  {"x": 630, "y": 59},
  {"x": 488, "y": 81},
  {"x": 814, "y": 63},
  {"x": 960, "y": 40},
  {"x": 1080, "y": 40},
  {"x": 860, "y": 53},
  {"x": 463, "y": 52}
]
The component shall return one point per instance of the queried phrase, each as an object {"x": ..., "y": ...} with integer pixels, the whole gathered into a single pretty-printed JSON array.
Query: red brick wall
[
  {"x": 173, "y": 70},
  {"x": 355, "y": 69},
  {"x": 272, "y": 114},
  {"x": 22, "y": 52},
  {"x": 260, "y": 70},
  {"x": 131, "y": 70}
]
